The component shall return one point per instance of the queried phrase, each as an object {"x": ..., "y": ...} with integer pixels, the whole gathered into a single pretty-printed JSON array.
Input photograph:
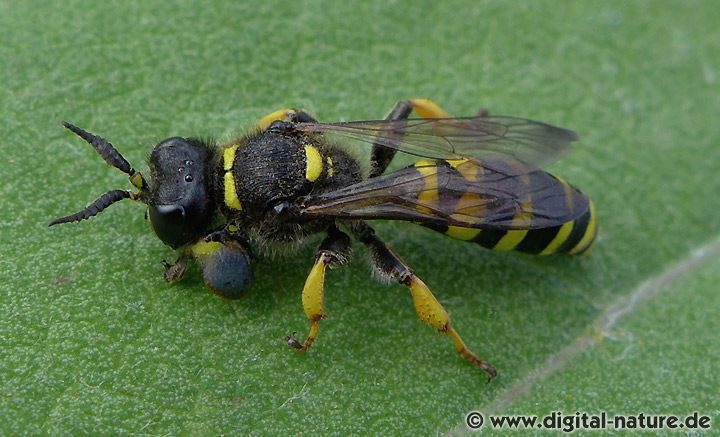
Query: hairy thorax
[{"x": 271, "y": 169}]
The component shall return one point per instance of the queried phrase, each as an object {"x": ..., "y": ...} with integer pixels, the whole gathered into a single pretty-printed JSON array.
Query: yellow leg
[
  {"x": 312, "y": 298},
  {"x": 426, "y": 108},
  {"x": 430, "y": 311},
  {"x": 334, "y": 250},
  {"x": 381, "y": 156}
]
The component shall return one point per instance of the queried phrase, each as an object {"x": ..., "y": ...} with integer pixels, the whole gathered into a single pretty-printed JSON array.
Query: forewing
[
  {"x": 467, "y": 193},
  {"x": 532, "y": 143}
]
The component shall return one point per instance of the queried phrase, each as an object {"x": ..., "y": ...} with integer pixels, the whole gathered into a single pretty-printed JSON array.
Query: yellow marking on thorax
[
  {"x": 203, "y": 248},
  {"x": 330, "y": 168},
  {"x": 314, "y": 163},
  {"x": 231, "y": 198},
  {"x": 560, "y": 238},
  {"x": 229, "y": 157},
  {"x": 590, "y": 232}
]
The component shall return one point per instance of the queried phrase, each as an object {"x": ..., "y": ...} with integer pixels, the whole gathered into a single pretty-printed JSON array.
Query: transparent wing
[
  {"x": 532, "y": 143},
  {"x": 465, "y": 193}
]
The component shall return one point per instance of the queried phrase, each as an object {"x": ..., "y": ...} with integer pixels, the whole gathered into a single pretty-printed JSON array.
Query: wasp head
[
  {"x": 178, "y": 195},
  {"x": 180, "y": 199}
]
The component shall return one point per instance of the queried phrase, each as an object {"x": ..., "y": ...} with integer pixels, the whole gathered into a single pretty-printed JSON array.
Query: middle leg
[{"x": 333, "y": 251}]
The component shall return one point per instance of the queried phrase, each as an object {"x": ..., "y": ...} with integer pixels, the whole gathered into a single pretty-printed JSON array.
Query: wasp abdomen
[
  {"x": 575, "y": 236},
  {"x": 545, "y": 215}
]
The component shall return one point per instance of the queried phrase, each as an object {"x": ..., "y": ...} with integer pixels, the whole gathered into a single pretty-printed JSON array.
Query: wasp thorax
[{"x": 180, "y": 201}]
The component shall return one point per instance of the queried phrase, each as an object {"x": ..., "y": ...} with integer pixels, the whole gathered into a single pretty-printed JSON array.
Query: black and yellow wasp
[{"x": 479, "y": 180}]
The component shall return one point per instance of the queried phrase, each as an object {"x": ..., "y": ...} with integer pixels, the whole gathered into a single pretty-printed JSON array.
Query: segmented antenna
[
  {"x": 94, "y": 208},
  {"x": 103, "y": 147}
]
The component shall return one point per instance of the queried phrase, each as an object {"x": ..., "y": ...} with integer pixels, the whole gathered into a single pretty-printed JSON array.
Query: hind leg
[
  {"x": 285, "y": 114},
  {"x": 427, "y": 307},
  {"x": 381, "y": 156}
]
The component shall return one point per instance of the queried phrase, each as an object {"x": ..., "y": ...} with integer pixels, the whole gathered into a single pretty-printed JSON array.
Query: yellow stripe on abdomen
[
  {"x": 430, "y": 194},
  {"x": 553, "y": 197},
  {"x": 465, "y": 234},
  {"x": 560, "y": 238},
  {"x": 510, "y": 240},
  {"x": 588, "y": 238}
]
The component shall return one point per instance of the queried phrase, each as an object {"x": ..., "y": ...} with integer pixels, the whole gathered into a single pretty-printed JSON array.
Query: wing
[
  {"x": 529, "y": 142},
  {"x": 464, "y": 192}
]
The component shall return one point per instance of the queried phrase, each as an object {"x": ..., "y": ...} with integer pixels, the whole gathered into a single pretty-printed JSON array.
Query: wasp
[{"x": 478, "y": 179}]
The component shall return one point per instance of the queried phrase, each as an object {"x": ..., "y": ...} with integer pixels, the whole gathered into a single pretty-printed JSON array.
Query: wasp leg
[
  {"x": 381, "y": 156},
  {"x": 224, "y": 258},
  {"x": 285, "y": 114},
  {"x": 175, "y": 271},
  {"x": 333, "y": 251},
  {"x": 229, "y": 232},
  {"x": 429, "y": 310}
]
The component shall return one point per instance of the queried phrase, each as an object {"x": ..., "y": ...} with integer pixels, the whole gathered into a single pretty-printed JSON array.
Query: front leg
[
  {"x": 333, "y": 251},
  {"x": 228, "y": 233},
  {"x": 174, "y": 272},
  {"x": 224, "y": 257}
]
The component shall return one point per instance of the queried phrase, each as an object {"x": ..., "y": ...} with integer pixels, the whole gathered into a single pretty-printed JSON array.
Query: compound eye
[
  {"x": 168, "y": 222},
  {"x": 170, "y": 212}
]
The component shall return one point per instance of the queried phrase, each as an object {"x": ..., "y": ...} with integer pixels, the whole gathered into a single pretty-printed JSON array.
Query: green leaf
[
  {"x": 92, "y": 341},
  {"x": 654, "y": 352}
]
